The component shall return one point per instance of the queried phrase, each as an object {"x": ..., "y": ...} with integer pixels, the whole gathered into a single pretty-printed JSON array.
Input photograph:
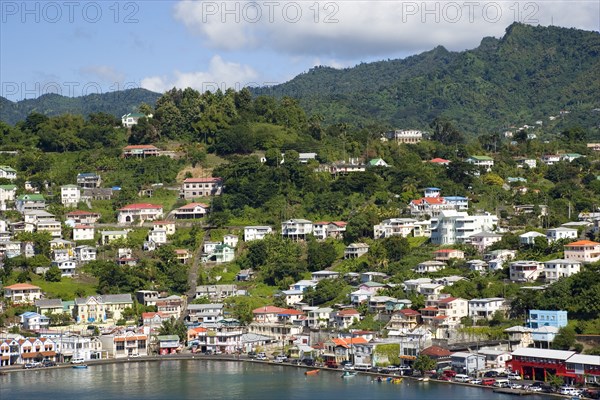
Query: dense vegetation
[{"x": 529, "y": 74}]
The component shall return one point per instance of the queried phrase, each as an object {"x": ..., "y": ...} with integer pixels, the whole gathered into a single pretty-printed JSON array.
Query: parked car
[
  {"x": 309, "y": 362},
  {"x": 449, "y": 373},
  {"x": 514, "y": 385},
  {"x": 251, "y": 354},
  {"x": 48, "y": 363},
  {"x": 462, "y": 378},
  {"x": 281, "y": 358},
  {"x": 261, "y": 356},
  {"x": 78, "y": 360},
  {"x": 491, "y": 374},
  {"x": 477, "y": 381},
  {"x": 488, "y": 381},
  {"x": 514, "y": 377},
  {"x": 296, "y": 361},
  {"x": 348, "y": 366},
  {"x": 532, "y": 388},
  {"x": 29, "y": 366},
  {"x": 331, "y": 364}
]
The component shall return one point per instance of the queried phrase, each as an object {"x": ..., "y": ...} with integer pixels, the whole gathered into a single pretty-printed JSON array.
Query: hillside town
[{"x": 51, "y": 235}]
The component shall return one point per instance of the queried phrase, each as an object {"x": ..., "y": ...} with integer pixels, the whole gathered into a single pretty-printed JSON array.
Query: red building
[
  {"x": 584, "y": 368},
  {"x": 537, "y": 364}
]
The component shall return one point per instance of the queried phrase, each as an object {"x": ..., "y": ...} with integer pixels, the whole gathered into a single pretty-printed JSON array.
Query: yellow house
[{"x": 101, "y": 308}]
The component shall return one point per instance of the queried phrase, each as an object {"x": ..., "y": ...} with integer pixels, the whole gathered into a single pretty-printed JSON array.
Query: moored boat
[
  {"x": 349, "y": 374},
  {"x": 312, "y": 372},
  {"x": 79, "y": 366}
]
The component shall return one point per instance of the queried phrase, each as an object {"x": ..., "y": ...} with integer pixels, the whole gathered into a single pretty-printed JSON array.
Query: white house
[
  {"x": 84, "y": 254},
  {"x": 22, "y": 293},
  {"x": 559, "y": 268},
  {"x": 325, "y": 229},
  {"x": 296, "y": 229},
  {"x": 230, "y": 240},
  {"x": 168, "y": 226},
  {"x": 7, "y": 172},
  {"x": 525, "y": 271},
  {"x": 158, "y": 236},
  {"x": 397, "y": 227},
  {"x": 528, "y": 238},
  {"x": 67, "y": 267},
  {"x": 482, "y": 162},
  {"x": 83, "y": 232},
  {"x": 452, "y": 226},
  {"x": 554, "y": 234},
  {"x": 7, "y": 195},
  {"x": 51, "y": 226},
  {"x": 70, "y": 195},
  {"x": 355, "y": 250},
  {"x": 256, "y": 232},
  {"x": 193, "y": 188},
  {"x": 191, "y": 211},
  {"x": 139, "y": 212},
  {"x": 33, "y": 321},
  {"x": 291, "y": 297},
  {"x": 130, "y": 119},
  {"x": 482, "y": 240},
  {"x": 585, "y": 251},
  {"x": 486, "y": 308},
  {"x": 404, "y": 136},
  {"x": 550, "y": 159},
  {"x": 429, "y": 266}
]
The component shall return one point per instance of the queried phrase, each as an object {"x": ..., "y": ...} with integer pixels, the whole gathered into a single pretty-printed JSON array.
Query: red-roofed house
[
  {"x": 83, "y": 232},
  {"x": 195, "y": 333},
  {"x": 444, "y": 313},
  {"x": 22, "y": 293},
  {"x": 344, "y": 318},
  {"x": 342, "y": 349},
  {"x": 439, "y": 354},
  {"x": 193, "y": 188},
  {"x": 154, "y": 319},
  {"x": 267, "y": 314},
  {"x": 431, "y": 206},
  {"x": 191, "y": 211},
  {"x": 139, "y": 212},
  {"x": 585, "y": 251},
  {"x": 439, "y": 161},
  {"x": 141, "y": 151},
  {"x": 326, "y": 229},
  {"x": 83, "y": 217}
]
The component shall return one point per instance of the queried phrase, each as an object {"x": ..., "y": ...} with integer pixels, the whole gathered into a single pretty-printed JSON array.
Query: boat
[
  {"x": 396, "y": 380},
  {"x": 349, "y": 374},
  {"x": 426, "y": 379},
  {"x": 79, "y": 366},
  {"x": 312, "y": 372}
]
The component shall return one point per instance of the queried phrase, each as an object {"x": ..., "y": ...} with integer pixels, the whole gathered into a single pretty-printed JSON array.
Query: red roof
[
  {"x": 148, "y": 315},
  {"x": 440, "y": 317},
  {"x": 438, "y": 160},
  {"x": 192, "y": 206},
  {"x": 436, "y": 351},
  {"x": 447, "y": 300},
  {"x": 348, "y": 342},
  {"x": 202, "y": 180},
  {"x": 429, "y": 200},
  {"x": 582, "y": 243},
  {"x": 409, "y": 311},
  {"x": 340, "y": 224},
  {"x": 198, "y": 329},
  {"x": 141, "y": 206},
  {"x": 81, "y": 212},
  {"x": 291, "y": 311},
  {"x": 164, "y": 222},
  {"x": 269, "y": 310},
  {"x": 83, "y": 227},
  {"x": 348, "y": 311},
  {"x": 21, "y": 286},
  {"x": 429, "y": 309},
  {"x": 446, "y": 250},
  {"x": 140, "y": 147}
]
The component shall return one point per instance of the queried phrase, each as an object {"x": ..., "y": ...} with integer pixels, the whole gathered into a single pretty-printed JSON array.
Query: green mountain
[
  {"x": 116, "y": 103},
  {"x": 529, "y": 74}
]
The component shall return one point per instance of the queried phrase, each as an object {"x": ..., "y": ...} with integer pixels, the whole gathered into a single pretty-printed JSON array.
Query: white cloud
[
  {"x": 219, "y": 74},
  {"x": 351, "y": 29},
  {"x": 104, "y": 73}
]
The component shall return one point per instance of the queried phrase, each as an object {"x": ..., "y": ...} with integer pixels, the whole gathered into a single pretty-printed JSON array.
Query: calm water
[{"x": 218, "y": 380}]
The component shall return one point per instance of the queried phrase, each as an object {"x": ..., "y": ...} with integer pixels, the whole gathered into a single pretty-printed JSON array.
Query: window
[{"x": 120, "y": 346}]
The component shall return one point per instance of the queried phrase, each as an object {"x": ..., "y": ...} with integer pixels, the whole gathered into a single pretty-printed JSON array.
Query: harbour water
[{"x": 193, "y": 379}]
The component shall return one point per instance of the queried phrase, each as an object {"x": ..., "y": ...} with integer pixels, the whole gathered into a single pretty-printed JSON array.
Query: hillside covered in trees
[{"x": 530, "y": 73}]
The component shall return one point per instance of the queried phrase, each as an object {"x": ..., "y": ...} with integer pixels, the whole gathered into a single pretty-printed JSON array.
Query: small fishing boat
[
  {"x": 79, "y": 366},
  {"x": 426, "y": 379},
  {"x": 312, "y": 372},
  {"x": 349, "y": 374}
]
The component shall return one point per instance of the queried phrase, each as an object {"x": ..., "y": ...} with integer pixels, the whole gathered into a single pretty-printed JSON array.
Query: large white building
[
  {"x": 525, "y": 271},
  {"x": 400, "y": 227},
  {"x": 559, "y": 268},
  {"x": 296, "y": 229},
  {"x": 256, "y": 232},
  {"x": 7, "y": 172},
  {"x": 561, "y": 232},
  {"x": 70, "y": 195},
  {"x": 7, "y": 195},
  {"x": 193, "y": 188},
  {"x": 140, "y": 212},
  {"x": 452, "y": 227},
  {"x": 486, "y": 308},
  {"x": 404, "y": 136}
]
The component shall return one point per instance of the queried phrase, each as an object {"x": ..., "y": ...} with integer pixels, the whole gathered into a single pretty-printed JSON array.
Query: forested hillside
[
  {"x": 115, "y": 103},
  {"x": 530, "y": 73}
]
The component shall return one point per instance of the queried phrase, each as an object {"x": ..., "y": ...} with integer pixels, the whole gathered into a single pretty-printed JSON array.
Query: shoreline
[{"x": 244, "y": 359}]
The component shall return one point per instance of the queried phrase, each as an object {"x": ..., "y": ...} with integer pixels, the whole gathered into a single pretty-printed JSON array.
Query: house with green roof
[
  {"x": 7, "y": 194},
  {"x": 7, "y": 172},
  {"x": 482, "y": 162},
  {"x": 377, "y": 162},
  {"x": 570, "y": 156},
  {"x": 30, "y": 202},
  {"x": 128, "y": 120}
]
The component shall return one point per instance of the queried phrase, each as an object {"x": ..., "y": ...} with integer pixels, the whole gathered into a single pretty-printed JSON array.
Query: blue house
[{"x": 539, "y": 318}]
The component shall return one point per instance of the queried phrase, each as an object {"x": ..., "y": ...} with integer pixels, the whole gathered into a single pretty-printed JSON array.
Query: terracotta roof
[
  {"x": 447, "y": 300},
  {"x": 141, "y": 206},
  {"x": 193, "y": 205},
  {"x": 83, "y": 227},
  {"x": 436, "y": 351},
  {"x": 21, "y": 286},
  {"x": 349, "y": 342},
  {"x": 202, "y": 180},
  {"x": 291, "y": 311},
  {"x": 348, "y": 311},
  {"x": 429, "y": 200},
  {"x": 268, "y": 310},
  {"x": 582, "y": 243},
  {"x": 439, "y": 160},
  {"x": 147, "y": 315},
  {"x": 429, "y": 309},
  {"x": 446, "y": 250},
  {"x": 341, "y": 224},
  {"x": 439, "y": 317},
  {"x": 140, "y": 147},
  {"x": 35, "y": 354},
  {"x": 409, "y": 311},
  {"x": 130, "y": 338},
  {"x": 198, "y": 329},
  {"x": 164, "y": 222},
  {"x": 81, "y": 212}
]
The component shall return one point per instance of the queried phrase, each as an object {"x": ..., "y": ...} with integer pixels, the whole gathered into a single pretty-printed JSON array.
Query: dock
[{"x": 514, "y": 392}]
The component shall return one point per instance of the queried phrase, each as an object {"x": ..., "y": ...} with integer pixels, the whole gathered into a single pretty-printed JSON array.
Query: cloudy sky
[{"x": 75, "y": 48}]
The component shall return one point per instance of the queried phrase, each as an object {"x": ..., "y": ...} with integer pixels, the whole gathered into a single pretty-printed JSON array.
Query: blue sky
[{"x": 75, "y": 48}]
